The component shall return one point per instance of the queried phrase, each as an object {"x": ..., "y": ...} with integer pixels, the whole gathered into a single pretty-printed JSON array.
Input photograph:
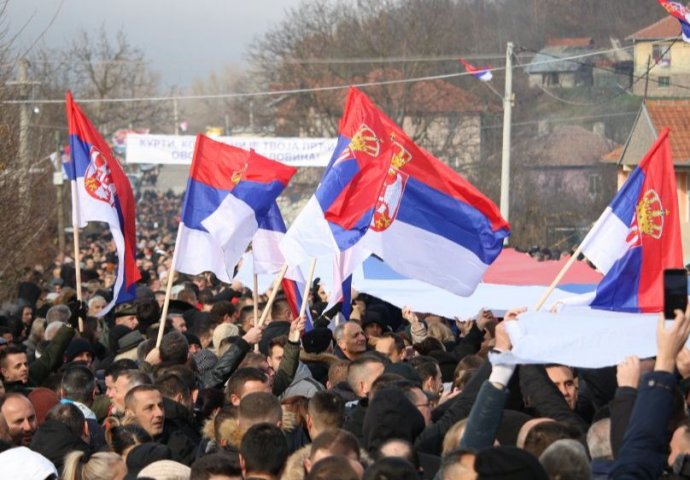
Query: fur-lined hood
[{"x": 323, "y": 357}]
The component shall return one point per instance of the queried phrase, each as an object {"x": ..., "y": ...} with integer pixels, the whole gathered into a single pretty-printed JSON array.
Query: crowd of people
[{"x": 384, "y": 394}]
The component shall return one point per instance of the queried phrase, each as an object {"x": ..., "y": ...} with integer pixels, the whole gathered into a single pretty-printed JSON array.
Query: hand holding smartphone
[{"x": 675, "y": 291}]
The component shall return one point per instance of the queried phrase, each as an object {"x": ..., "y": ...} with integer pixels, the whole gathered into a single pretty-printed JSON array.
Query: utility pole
[
  {"x": 507, "y": 112},
  {"x": 23, "y": 151},
  {"x": 176, "y": 117},
  {"x": 58, "y": 182},
  {"x": 646, "y": 77}
]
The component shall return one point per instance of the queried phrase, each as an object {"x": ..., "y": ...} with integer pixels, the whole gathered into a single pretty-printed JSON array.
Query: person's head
[
  {"x": 224, "y": 311},
  {"x": 14, "y": 365},
  {"x": 430, "y": 373},
  {"x": 246, "y": 318},
  {"x": 216, "y": 466},
  {"x": 276, "y": 348},
  {"x": 336, "y": 467},
  {"x": 391, "y": 467},
  {"x": 453, "y": 436},
  {"x": 122, "y": 384},
  {"x": 122, "y": 439},
  {"x": 420, "y": 400},
  {"x": 318, "y": 340},
  {"x": 126, "y": 314},
  {"x": 362, "y": 373},
  {"x": 58, "y": 313},
  {"x": 96, "y": 304},
  {"x": 177, "y": 322},
  {"x": 258, "y": 440},
  {"x": 400, "y": 449},
  {"x": 566, "y": 458},
  {"x": 114, "y": 370},
  {"x": 20, "y": 417},
  {"x": 69, "y": 415},
  {"x": 337, "y": 373},
  {"x": 144, "y": 404},
  {"x": 173, "y": 387},
  {"x": 78, "y": 384},
  {"x": 259, "y": 407},
  {"x": 281, "y": 311},
  {"x": 79, "y": 350},
  {"x": 441, "y": 332},
  {"x": 349, "y": 336},
  {"x": 100, "y": 465},
  {"x": 372, "y": 325},
  {"x": 527, "y": 427},
  {"x": 244, "y": 381},
  {"x": 392, "y": 346},
  {"x": 331, "y": 443},
  {"x": 27, "y": 313},
  {"x": 458, "y": 464},
  {"x": 326, "y": 411},
  {"x": 599, "y": 439},
  {"x": 544, "y": 434},
  {"x": 564, "y": 379},
  {"x": 174, "y": 348},
  {"x": 680, "y": 442}
]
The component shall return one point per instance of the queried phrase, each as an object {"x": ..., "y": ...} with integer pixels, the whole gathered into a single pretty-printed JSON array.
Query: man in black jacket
[{"x": 145, "y": 405}]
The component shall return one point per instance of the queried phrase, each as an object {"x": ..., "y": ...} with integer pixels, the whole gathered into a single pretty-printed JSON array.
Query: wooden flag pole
[
  {"x": 255, "y": 296},
  {"x": 77, "y": 256},
  {"x": 305, "y": 297},
  {"x": 168, "y": 289},
  {"x": 272, "y": 297},
  {"x": 558, "y": 278}
]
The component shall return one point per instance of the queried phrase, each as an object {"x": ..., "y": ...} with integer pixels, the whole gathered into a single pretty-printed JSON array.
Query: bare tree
[{"x": 96, "y": 66}]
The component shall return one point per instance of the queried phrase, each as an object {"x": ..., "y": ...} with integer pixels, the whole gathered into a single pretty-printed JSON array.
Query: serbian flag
[
  {"x": 228, "y": 190},
  {"x": 482, "y": 73},
  {"x": 679, "y": 11},
  {"x": 101, "y": 193},
  {"x": 341, "y": 210},
  {"x": 413, "y": 211},
  {"x": 269, "y": 259},
  {"x": 638, "y": 236}
]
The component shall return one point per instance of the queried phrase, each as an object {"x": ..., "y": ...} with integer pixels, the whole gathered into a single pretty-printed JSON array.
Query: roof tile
[
  {"x": 674, "y": 114},
  {"x": 667, "y": 27}
]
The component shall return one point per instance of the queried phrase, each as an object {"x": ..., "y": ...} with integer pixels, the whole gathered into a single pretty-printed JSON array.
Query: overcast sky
[{"x": 184, "y": 39}]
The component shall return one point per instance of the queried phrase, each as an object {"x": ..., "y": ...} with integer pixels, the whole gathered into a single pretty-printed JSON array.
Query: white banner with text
[{"x": 178, "y": 149}]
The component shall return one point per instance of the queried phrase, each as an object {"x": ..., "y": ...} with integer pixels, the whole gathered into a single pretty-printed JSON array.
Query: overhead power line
[{"x": 295, "y": 90}]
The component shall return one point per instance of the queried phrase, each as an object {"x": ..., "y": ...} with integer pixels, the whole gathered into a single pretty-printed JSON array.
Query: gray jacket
[{"x": 303, "y": 384}]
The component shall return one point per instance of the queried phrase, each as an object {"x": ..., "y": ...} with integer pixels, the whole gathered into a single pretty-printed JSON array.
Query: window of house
[
  {"x": 664, "y": 81},
  {"x": 550, "y": 79},
  {"x": 661, "y": 55}
]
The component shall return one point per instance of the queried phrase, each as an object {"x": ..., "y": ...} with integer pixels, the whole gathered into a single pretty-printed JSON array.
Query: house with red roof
[
  {"x": 653, "y": 117},
  {"x": 659, "y": 49}
]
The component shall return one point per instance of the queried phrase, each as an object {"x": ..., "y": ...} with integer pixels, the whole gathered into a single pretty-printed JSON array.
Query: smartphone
[{"x": 675, "y": 291}]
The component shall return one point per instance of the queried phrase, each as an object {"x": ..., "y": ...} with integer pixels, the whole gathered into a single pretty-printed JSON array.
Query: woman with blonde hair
[{"x": 80, "y": 466}]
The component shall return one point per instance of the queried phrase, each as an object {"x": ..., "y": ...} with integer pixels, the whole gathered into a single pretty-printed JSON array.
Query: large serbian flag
[
  {"x": 382, "y": 194},
  {"x": 228, "y": 190},
  {"x": 638, "y": 236},
  {"x": 101, "y": 193}
]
